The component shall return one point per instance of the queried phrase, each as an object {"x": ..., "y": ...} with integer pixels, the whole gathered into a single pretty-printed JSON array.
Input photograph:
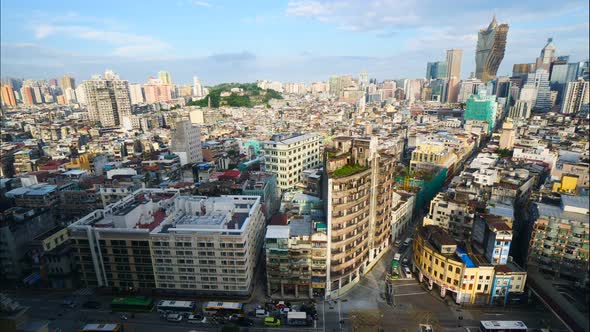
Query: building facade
[
  {"x": 107, "y": 99},
  {"x": 577, "y": 97},
  {"x": 186, "y": 143}
]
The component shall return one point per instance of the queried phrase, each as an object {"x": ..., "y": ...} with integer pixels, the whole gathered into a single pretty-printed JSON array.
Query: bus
[
  {"x": 175, "y": 307},
  {"x": 132, "y": 304},
  {"x": 502, "y": 326},
  {"x": 223, "y": 308},
  {"x": 101, "y": 328}
]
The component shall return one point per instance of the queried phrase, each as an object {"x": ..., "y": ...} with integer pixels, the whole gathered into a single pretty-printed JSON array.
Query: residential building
[
  {"x": 482, "y": 107},
  {"x": 197, "y": 87},
  {"x": 520, "y": 110},
  {"x": 467, "y": 88},
  {"x": 209, "y": 245},
  {"x": 289, "y": 157},
  {"x": 156, "y": 91},
  {"x": 508, "y": 135},
  {"x": 577, "y": 97},
  {"x": 186, "y": 143},
  {"x": 112, "y": 245},
  {"x": 107, "y": 99},
  {"x": 67, "y": 82},
  {"x": 136, "y": 94},
  {"x": 8, "y": 98},
  {"x": 491, "y": 44},
  {"x": 164, "y": 77},
  {"x": 402, "y": 212},
  {"x": 27, "y": 96},
  {"x": 493, "y": 235},
  {"x": 426, "y": 156},
  {"x": 452, "y": 215},
  {"x": 358, "y": 192},
  {"x": 559, "y": 240}
]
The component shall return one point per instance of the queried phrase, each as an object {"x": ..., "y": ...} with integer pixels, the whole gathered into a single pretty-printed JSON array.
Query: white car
[
  {"x": 195, "y": 319},
  {"x": 174, "y": 318},
  {"x": 408, "y": 273}
]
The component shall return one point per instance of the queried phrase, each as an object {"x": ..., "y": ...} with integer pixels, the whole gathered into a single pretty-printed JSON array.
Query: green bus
[{"x": 132, "y": 304}]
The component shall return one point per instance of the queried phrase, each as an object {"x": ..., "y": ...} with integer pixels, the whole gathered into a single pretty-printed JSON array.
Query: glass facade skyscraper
[
  {"x": 436, "y": 70},
  {"x": 491, "y": 44}
]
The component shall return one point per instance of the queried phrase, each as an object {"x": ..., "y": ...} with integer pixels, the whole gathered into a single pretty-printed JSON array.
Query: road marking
[{"x": 419, "y": 293}]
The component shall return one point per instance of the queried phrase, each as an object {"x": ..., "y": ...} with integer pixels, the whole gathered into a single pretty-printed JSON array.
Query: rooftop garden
[{"x": 348, "y": 170}]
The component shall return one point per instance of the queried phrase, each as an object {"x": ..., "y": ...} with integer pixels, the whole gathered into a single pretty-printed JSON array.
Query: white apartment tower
[
  {"x": 576, "y": 98},
  {"x": 287, "y": 158},
  {"x": 107, "y": 99},
  {"x": 197, "y": 87},
  {"x": 136, "y": 92},
  {"x": 186, "y": 143}
]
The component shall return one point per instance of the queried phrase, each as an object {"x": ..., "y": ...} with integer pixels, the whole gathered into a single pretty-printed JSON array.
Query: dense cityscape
[{"x": 451, "y": 202}]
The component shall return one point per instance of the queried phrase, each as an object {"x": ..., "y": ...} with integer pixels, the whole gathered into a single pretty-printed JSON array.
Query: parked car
[
  {"x": 408, "y": 273},
  {"x": 68, "y": 303},
  {"x": 397, "y": 243},
  {"x": 243, "y": 321},
  {"x": 175, "y": 318},
  {"x": 271, "y": 321},
  {"x": 196, "y": 319},
  {"x": 261, "y": 313},
  {"x": 405, "y": 262},
  {"x": 91, "y": 305}
]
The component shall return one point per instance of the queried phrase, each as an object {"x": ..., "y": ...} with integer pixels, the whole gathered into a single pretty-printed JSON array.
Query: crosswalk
[{"x": 84, "y": 292}]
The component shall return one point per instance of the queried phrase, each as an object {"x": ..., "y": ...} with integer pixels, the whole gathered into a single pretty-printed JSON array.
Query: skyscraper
[
  {"x": 436, "y": 70},
  {"x": 8, "y": 98},
  {"x": 107, "y": 99},
  {"x": 454, "y": 58},
  {"x": 522, "y": 69},
  {"x": 547, "y": 56},
  {"x": 540, "y": 80},
  {"x": 165, "y": 77},
  {"x": 27, "y": 95},
  {"x": 491, "y": 44},
  {"x": 197, "y": 87},
  {"x": 576, "y": 97},
  {"x": 66, "y": 82}
]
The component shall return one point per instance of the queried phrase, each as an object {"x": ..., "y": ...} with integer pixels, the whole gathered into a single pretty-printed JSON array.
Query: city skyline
[{"x": 305, "y": 40}]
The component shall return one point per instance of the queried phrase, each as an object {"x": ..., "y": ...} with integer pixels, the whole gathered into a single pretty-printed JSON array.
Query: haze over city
[{"x": 278, "y": 40}]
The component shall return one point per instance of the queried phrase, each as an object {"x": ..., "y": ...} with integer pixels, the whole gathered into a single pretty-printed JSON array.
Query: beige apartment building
[
  {"x": 359, "y": 200},
  {"x": 288, "y": 158},
  {"x": 428, "y": 155}
]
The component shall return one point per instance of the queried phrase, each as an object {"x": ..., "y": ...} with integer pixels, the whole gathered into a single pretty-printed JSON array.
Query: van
[
  {"x": 261, "y": 313},
  {"x": 271, "y": 321}
]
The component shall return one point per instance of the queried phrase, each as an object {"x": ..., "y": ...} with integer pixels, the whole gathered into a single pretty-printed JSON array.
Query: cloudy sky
[{"x": 222, "y": 41}]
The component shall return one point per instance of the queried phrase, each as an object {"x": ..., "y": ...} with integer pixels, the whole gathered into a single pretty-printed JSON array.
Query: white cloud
[
  {"x": 201, "y": 3},
  {"x": 124, "y": 44}
]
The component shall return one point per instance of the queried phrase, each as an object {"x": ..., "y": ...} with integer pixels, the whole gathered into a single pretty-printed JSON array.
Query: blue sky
[{"x": 222, "y": 41}]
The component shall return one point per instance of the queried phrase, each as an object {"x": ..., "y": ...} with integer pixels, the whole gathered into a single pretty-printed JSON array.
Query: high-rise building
[
  {"x": 156, "y": 91},
  {"x": 164, "y": 77},
  {"x": 522, "y": 69},
  {"x": 358, "y": 198},
  {"x": 186, "y": 143},
  {"x": 454, "y": 58},
  {"x": 27, "y": 95},
  {"x": 467, "y": 88},
  {"x": 197, "y": 87},
  {"x": 508, "y": 134},
  {"x": 520, "y": 110},
  {"x": 540, "y": 81},
  {"x": 491, "y": 44},
  {"x": 547, "y": 56},
  {"x": 70, "y": 95},
  {"x": 482, "y": 107},
  {"x": 288, "y": 158},
  {"x": 562, "y": 72},
  {"x": 584, "y": 70},
  {"x": 136, "y": 93},
  {"x": 576, "y": 97},
  {"x": 8, "y": 98},
  {"x": 81, "y": 94},
  {"x": 436, "y": 70},
  {"x": 439, "y": 90},
  {"x": 66, "y": 82},
  {"x": 107, "y": 99},
  {"x": 363, "y": 79}
]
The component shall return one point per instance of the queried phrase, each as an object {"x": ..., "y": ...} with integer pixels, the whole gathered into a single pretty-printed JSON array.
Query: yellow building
[
  {"x": 469, "y": 277},
  {"x": 567, "y": 184},
  {"x": 429, "y": 154},
  {"x": 82, "y": 163}
]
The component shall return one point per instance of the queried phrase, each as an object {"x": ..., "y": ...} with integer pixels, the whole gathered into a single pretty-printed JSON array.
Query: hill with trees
[{"x": 250, "y": 96}]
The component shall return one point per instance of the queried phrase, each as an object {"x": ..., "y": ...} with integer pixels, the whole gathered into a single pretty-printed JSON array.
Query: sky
[{"x": 290, "y": 41}]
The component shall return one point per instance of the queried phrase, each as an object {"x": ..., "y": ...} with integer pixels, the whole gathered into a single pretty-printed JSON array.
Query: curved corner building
[
  {"x": 491, "y": 44},
  {"x": 359, "y": 197}
]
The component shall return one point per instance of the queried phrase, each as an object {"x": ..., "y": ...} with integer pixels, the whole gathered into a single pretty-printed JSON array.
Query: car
[
  {"x": 243, "y": 321},
  {"x": 405, "y": 262},
  {"x": 408, "y": 273},
  {"x": 271, "y": 321},
  {"x": 175, "y": 318},
  {"x": 195, "y": 319},
  {"x": 91, "y": 305},
  {"x": 68, "y": 303},
  {"x": 281, "y": 305},
  {"x": 397, "y": 243},
  {"x": 123, "y": 317},
  {"x": 261, "y": 313}
]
